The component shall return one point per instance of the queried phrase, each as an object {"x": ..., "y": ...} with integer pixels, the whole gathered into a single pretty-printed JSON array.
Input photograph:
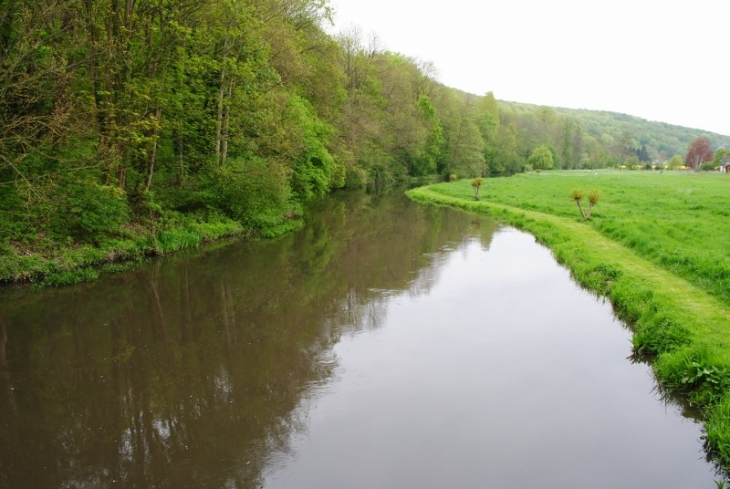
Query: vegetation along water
[
  {"x": 655, "y": 245},
  {"x": 141, "y": 130}
]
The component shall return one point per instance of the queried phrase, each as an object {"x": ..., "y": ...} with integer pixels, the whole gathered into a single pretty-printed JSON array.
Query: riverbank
[
  {"x": 59, "y": 265},
  {"x": 683, "y": 329}
]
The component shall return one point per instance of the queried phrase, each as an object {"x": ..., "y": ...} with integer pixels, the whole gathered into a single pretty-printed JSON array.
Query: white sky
[{"x": 663, "y": 60}]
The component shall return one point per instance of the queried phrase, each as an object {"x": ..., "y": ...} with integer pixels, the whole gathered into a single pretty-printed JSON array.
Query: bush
[
  {"x": 87, "y": 211},
  {"x": 252, "y": 192}
]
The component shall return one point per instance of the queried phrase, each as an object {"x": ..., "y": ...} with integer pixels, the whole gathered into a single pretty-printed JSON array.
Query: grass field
[{"x": 657, "y": 246}]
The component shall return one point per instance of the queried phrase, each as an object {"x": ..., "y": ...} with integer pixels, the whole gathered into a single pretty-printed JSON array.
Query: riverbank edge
[
  {"x": 683, "y": 331},
  {"x": 71, "y": 265}
]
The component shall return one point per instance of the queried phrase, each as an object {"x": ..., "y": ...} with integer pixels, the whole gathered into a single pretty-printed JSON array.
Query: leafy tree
[
  {"x": 675, "y": 162},
  {"x": 699, "y": 152},
  {"x": 464, "y": 146},
  {"x": 541, "y": 158},
  {"x": 425, "y": 163},
  {"x": 632, "y": 162},
  {"x": 722, "y": 155}
]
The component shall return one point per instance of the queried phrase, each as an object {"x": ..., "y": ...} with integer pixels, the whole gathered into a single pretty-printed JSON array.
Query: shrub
[{"x": 87, "y": 210}]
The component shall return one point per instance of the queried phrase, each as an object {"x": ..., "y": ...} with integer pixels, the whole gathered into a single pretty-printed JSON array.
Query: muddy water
[{"x": 385, "y": 345}]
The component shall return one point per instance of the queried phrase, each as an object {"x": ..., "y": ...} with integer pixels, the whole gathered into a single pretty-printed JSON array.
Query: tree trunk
[
  {"x": 221, "y": 98},
  {"x": 153, "y": 152},
  {"x": 226, "y": 119}
]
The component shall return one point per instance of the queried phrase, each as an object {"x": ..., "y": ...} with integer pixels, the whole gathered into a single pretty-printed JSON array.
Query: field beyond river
[{"x": 656, "y": 245}]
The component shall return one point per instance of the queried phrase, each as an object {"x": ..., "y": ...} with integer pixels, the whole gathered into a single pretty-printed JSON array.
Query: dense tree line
[{"x": 129, "y": 115}]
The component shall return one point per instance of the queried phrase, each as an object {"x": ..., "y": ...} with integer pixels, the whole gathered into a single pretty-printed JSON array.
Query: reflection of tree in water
[{"x": 193, "y": 373}]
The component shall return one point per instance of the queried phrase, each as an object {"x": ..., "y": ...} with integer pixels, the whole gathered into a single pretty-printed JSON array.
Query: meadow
[{"x": 656, "y": 247}]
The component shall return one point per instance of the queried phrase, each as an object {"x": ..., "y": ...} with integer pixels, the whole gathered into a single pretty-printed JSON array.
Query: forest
[{"x": 130, "y": 127}]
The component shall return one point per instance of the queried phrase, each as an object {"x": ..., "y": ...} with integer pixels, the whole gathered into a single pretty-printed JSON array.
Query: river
[{"x": 385, "y": 345}]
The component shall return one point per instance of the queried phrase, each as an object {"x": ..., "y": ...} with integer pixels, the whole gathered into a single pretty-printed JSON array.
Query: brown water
[{"x": 386, "y": 345}]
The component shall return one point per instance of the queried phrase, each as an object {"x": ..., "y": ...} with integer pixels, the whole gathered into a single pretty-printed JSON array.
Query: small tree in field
[
  {"x": 577, "y": 196},
  {"x": 477, "y": 183},
  {"x": 593, "y": 197}
]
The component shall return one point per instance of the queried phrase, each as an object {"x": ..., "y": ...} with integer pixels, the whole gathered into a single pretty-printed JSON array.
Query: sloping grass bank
[
  {"x": 683, "y": 329},
  {"x": 75, "y": 264}
]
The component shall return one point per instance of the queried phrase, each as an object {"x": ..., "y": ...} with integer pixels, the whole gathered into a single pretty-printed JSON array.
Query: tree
[
  {"x": 722, "y": 155},
  {"x": 699, "y": 152},
  {"x": 577, "y": 195},
  {"x": 477, "y": 183},
  {"x": 643, "y": 154},
  {"x": 593, "y": 197},
  {"x": 541, "y": 158},
  {"x": 675, "y": 162}
]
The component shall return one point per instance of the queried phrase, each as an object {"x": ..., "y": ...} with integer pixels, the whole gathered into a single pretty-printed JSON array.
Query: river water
[{"x": 385, "y": 345}]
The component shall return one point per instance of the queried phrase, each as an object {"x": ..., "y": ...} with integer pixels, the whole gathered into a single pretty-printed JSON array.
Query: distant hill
[{"x": 666, "y": 139}]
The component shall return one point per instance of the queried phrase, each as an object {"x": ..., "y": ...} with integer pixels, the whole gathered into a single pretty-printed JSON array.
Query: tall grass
[{"x": 656, "y": 247}]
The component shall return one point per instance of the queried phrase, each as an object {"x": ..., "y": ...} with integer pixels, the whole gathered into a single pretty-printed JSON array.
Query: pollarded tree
[
  {"x": 699, "y": 152},
  {"x": 477, "y": 183}
]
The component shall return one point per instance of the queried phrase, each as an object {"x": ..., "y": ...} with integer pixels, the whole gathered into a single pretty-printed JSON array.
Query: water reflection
[
  {"x": 192, "y": 372},
  {"x": 506, "y": 375}
]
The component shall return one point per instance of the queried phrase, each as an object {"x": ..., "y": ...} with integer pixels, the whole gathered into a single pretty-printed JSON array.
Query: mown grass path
[{"x": 683, "y": 327}]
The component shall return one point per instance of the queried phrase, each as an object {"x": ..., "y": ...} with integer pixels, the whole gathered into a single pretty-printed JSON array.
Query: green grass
[
  {"x": 56, "y": 264},
  {"x": 656, "y": 246}
]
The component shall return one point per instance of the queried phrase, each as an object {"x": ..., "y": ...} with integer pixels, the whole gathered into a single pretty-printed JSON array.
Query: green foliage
[
  {"x": 659, "y": 334},
  {"x": 71, "y": 277},
  {"x": 315, "y": 170},
  {"x": 541, "y": 158},
  {"x": 722, "y": 155},
  {"x": 659, "y": 140},
  {"x": 176, "y": 239},
  {"x": 593, "y": 197},
  {"x": 251, "y": 192},
  {"x": 717, "y": 434},
  {"x": 87, "y": 211},
  {"x": 675, "y": 162},
  {"x": 476, "y": 184},
  {"x": 577, "y": 195}
]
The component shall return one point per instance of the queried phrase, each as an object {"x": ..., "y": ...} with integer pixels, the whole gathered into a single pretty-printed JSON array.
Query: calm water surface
[{"x": 386, "y": 345}]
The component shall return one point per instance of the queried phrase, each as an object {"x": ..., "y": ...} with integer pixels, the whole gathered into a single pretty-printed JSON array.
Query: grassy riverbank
[
  {"x": 52, "y": 264},
  {"x": 656, "y": 247}
]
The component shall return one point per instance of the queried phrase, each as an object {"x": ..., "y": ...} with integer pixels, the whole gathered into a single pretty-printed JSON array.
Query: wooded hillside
[{"x": 661, "y": 140}]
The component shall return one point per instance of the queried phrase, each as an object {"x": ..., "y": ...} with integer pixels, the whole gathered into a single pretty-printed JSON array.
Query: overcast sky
[{"x": 663, "y": 60}]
